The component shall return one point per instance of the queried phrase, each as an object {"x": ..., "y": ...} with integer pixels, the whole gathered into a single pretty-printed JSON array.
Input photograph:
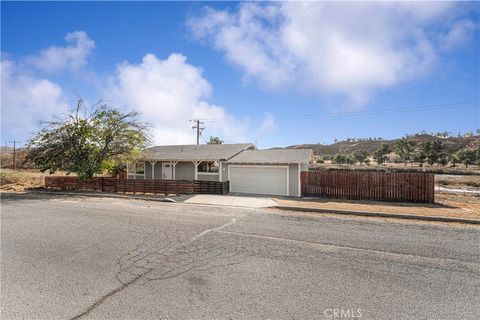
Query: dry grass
[
  {"x": 457, "y": 181},
  {"x": 20, "y": 180},
  {"x": 446, "y": 205}
]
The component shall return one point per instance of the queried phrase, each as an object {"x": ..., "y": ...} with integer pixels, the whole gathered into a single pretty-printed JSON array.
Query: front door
[{"x": 166, "y": 171}]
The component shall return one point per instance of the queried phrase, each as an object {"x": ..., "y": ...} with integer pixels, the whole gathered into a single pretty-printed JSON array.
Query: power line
[
  {"x": 14, "y": 153},
  {"x": 374, "y": 112},
  {"x": 468, "y": 104},
  {"x": 199, "y": 129}
]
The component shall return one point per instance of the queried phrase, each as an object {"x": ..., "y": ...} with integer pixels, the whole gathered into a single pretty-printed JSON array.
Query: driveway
[
  {"x": 234, "y": 201},
  {"x": 67, "y": 257}
]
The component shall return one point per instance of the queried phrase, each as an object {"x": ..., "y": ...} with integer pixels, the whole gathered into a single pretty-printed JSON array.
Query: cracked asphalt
[{"x": 66, "y": 257}]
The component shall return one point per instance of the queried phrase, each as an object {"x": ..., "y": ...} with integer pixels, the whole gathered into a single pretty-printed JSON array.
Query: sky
[{"x": 273, "y": 73}]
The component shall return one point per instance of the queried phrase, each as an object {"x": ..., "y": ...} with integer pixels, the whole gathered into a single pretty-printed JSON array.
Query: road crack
[
  {"x": 105, "y": 297},
  {"x": 165, "y": 254}
]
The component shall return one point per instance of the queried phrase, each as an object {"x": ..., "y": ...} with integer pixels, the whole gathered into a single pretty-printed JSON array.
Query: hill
[{"x": 451, "y": 144}]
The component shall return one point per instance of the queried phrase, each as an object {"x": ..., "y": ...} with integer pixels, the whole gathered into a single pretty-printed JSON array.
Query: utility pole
[
  {"x": 199, "y": 129},
  {"x": 14, "y": 154}
]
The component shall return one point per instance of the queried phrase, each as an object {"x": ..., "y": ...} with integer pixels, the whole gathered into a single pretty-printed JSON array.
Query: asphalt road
[{"x": 66, "y": 258}]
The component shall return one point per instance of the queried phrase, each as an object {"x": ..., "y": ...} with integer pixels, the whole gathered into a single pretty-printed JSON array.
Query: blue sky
[{"x": 265, "y": 72}]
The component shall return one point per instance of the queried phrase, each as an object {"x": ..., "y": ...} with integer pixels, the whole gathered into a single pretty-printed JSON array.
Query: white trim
[
  {"x": 195, "y": 164},
  {"x": 174, "y": 170},
  {"x": 220, "y": 172},
  {"x": 153, "y": 162},
  {"x": 299, "y": 180},
  {"x": 210, "y": 173},
  {"x": 259, "y": 166}
]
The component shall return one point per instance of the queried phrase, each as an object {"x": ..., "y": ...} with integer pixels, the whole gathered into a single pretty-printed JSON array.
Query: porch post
[
  {"x": 220, "y": 172},
  {"x": 196, "y": 163},
  {"x": 299, "y": 180},
  {"x": 173, "y": 163},
  {"x": 153, "y": 168}
]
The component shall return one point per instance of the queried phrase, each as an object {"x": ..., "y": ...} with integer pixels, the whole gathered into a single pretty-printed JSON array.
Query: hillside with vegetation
[
  {"x": 420, "y": 150},
  {"x": 351, "y": 145}
]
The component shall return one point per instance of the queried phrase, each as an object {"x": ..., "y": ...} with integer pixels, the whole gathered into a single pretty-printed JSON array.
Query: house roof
[
  {"x": 275, "y": 156},
  {"x": 192, "y": 152}
]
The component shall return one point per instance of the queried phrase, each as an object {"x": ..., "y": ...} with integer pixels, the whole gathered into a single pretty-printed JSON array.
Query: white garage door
[{"x": 259, "y": 180}]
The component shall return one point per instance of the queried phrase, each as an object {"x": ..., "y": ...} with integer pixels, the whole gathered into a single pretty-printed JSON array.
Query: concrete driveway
[
  {"x": 235, "y": 201},
  {"x": 66, "y": 257}
]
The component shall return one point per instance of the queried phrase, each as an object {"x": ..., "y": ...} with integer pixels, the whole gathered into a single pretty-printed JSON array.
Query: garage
[
  {"x": 275, "y": 172},
  {"x": 268, "y": 180}
]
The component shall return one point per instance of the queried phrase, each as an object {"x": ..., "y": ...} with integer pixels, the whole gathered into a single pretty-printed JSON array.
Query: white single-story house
[{"x": 249, "y": 171}]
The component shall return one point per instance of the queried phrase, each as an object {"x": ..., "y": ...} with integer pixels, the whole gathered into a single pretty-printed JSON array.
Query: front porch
[{"x": 175, "y": 170}]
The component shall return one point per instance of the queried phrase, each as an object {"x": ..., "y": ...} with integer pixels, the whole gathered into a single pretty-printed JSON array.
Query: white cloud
[
  {"x": 268, "y": 123},
  {"x": 27, "y": 97},
  {"x": 458, "y": 34},
  {"x": 72, "y": 57},
  {"x": 347, "y": 49},
  {"x": 26, "y": 100},
  {"x": 169, "y": 93}
]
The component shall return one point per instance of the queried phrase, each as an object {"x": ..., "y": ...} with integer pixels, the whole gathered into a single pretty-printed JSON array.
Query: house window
[
  {"x": 140, "y": 168},
  {"x": 136, "y": 168},
  {"x": 208, "y": 167},
  {"x": 131, "y": 167}
]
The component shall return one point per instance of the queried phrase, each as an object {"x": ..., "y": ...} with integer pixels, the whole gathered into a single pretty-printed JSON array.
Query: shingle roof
[
  {"x": 273, "y": 156},
  {"x": 193, "y": 152}
]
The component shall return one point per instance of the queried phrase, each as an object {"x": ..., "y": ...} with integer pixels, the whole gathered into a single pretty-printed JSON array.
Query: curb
[
  {"x": 105, "y": 195},
  {"x": 379, "y": 214},
  {"x": 285, "y": 208}
]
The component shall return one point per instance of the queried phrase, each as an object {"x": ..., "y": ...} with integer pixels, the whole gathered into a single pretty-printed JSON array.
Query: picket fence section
[{"x": 365, "y": 185}]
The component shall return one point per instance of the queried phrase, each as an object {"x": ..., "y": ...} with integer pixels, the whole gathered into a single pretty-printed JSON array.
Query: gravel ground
[{"x": 446, "y": 205}]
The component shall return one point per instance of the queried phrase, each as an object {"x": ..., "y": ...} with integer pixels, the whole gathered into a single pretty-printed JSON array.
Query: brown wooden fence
[
  {"x": 138, "y": 186},
  {"x": 363, "y": 185}
]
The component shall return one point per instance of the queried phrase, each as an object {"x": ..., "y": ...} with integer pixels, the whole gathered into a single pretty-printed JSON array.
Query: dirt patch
[{"x": 446, "y": 205}]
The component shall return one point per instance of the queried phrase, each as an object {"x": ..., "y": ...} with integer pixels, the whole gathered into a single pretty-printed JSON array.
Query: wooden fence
[
  {"x": 138, "y": 186},
  {"x": 363, "y": 185}
]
